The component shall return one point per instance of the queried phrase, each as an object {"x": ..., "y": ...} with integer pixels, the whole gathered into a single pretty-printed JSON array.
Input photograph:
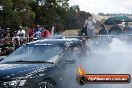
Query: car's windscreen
[{"x": 40, "y": 52}]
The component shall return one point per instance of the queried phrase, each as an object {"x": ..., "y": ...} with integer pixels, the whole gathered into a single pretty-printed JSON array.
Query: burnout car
[{"x": 40, "y": 64}]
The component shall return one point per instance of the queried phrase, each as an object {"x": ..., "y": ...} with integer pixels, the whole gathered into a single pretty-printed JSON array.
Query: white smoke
[
  {"x": 113, "y": 59},
  {"x": 118, "y": 46}
]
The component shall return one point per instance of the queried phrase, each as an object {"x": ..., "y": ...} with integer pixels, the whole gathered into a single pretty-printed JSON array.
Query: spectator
[
  {"x": 84, "y": 30},
  {"x": 2, "y": 33},
  {"x": 46, "y": 33},
  {"x": 103, "y": 30},
  {"x": 7, "y": 47},
  {"x": 115, "y": 29},
  {"x": 1, "y": 46},
  {"x": 11, "y": 34},
  {"x": 21, "y": 32},
  {"x": 15, "y": 36},
  {"x": 126, "y": 29},
  {"x": 30, "y": 32},
  {"x": 16, "y": 43},
  {"x": 38, "y": 32},
  {"x": 90, "y": 23}
]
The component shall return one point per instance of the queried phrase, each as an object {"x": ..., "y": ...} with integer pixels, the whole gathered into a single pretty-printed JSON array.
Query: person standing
[
  {"x": 38, "y": 32},
  {"x": 126, "y": 29},
  {"x": 7, "y": 47},
  {"x": 21, "y": 35},
  {"x": 103, "y": 30},
  {"x": 30, "y": 32},
  {"x": 2, "y": 32},
  {"x": 84, "y": 31},
  {"x": 90, "y": 23},
  {"x": 46, "y": 33},
  {"x": 115, "y": 29},
  {"x": 16, "y": 43},
  {"x": 21, "y": 32}
]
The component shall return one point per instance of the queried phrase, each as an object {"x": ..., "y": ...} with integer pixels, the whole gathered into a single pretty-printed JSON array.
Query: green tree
[
  {"x": 75, "y": 18},
  {"x": 51, "y": 12},
  {"x": 43, "y": 12},
  {"x": 15, "y": 13}
]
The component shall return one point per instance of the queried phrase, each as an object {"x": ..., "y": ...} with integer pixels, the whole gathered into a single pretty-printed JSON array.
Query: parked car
[{"x": 40, "y": 64}]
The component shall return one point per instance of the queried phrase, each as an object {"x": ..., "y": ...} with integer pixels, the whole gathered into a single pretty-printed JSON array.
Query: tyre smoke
[{"x": 108, "y": 57}]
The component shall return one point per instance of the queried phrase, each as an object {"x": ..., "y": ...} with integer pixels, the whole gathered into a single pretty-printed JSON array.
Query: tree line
[{"x": 29, "y": 13}]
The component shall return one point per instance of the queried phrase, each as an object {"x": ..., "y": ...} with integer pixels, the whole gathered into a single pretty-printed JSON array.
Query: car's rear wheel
[{"x": 47, "y": 84}]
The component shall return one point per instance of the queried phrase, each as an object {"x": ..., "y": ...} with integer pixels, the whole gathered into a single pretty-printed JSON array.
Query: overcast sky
[{"x": 105, "y": 6}]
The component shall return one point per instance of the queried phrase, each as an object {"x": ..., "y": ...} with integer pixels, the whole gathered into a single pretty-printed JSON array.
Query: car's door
[
  {"x": 73, "y": 53},
  {"x": 60, "y": 69}
]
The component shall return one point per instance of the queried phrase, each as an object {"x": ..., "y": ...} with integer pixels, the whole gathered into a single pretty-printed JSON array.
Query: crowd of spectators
[
  {"x": 122, "y": 28},
  {"x": 91, "y": 26},
  {"x": 11, "y": 40}
]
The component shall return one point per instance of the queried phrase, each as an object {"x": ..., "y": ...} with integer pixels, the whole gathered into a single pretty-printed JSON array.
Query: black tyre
[{"x": 47, "y": 84}]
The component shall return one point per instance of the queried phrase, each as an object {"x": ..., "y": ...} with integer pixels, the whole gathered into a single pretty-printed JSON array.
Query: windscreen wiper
[{"x": 26, "y": 61}]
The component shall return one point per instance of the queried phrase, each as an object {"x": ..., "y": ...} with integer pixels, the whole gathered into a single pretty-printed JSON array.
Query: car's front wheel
[{"x": 47, "y": 84}]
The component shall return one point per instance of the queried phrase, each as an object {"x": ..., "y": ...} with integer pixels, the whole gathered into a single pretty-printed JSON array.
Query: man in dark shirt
[
  {"x": 103, "y": 30},
  {"x": 6, "y": 48}
]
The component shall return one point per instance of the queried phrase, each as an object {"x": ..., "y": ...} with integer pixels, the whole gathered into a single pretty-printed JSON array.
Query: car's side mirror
[{"x": 70, "y": 61}]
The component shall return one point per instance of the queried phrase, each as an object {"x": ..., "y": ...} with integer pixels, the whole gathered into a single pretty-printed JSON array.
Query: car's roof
[{"x": 56, "y": 41}]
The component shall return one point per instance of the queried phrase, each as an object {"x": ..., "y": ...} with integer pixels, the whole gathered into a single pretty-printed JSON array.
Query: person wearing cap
[
  {"x": 9, "y": 33},
  {"x": 90, "y": 24}
]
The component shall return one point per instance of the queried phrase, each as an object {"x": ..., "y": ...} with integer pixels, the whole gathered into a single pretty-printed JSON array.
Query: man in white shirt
[
  {"x": 21, "y": 32},
  {"x": 21, "y": 35},
  {"x": 90, "y": 23}
]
